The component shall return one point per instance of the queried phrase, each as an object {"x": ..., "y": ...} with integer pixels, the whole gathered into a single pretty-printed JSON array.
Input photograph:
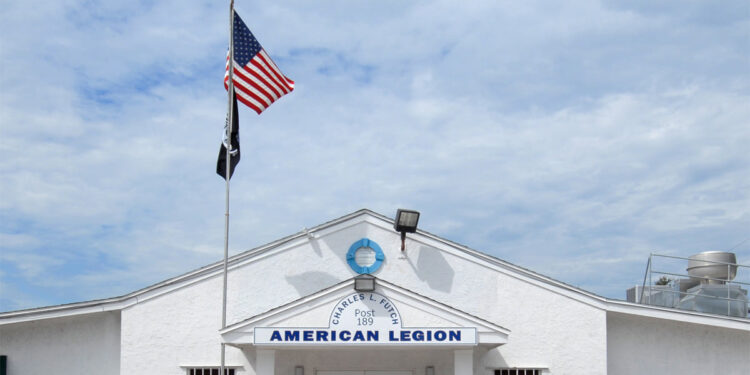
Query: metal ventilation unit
[{"x": 708, "y": 286}]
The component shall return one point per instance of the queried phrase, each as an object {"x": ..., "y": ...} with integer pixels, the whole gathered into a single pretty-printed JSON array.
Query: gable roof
[
  {"x": 371, "y": 217},
  {"x": 488, "y": 333}
]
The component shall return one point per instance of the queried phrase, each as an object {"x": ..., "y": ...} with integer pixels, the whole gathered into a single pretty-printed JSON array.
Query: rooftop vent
[
  {"x": 709, "y": 285},
  {"x": 713, "y": 267}
]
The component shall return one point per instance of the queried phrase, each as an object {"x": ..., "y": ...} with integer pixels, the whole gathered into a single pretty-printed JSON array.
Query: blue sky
[{"x": 569, "y": 138}]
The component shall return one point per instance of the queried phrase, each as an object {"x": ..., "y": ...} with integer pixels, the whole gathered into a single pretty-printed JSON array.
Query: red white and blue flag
[{"x": 258, "y": 82}]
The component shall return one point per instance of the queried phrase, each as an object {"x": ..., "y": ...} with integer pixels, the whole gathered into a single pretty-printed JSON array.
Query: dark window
[
  {"x": 518, "y": 371},
  {"x": 209, "y": 371}
]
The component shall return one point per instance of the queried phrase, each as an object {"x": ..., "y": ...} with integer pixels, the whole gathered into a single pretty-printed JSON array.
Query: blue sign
[{"x": 365, "y": 319}]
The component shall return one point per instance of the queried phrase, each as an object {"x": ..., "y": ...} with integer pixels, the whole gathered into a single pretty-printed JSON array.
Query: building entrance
[{"x": 363, "y": 372}]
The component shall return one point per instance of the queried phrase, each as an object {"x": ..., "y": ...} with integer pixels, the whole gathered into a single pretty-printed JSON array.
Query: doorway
[{"x": 363, "y": 372}]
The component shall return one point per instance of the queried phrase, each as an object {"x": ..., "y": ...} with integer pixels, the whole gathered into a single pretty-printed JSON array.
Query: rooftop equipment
[
  {"x": 708, "y": 286},
  {"x": 713, "y": 267}
]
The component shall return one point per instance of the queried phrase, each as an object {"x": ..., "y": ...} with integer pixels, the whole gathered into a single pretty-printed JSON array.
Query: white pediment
[{"x": 340, "y": 315}]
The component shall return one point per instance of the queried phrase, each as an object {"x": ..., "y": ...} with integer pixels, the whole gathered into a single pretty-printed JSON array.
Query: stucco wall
[
  {"x": 181, "y": 327},
  {"x": 84, "y": 344},
  {"x": 178, "y": 329},
  {"x": 641, "y": 345},
  {"x": 547, "y": 329}
]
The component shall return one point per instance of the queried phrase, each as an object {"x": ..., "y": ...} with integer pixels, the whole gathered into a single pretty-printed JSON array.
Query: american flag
[{"x": 258, "y": 82}]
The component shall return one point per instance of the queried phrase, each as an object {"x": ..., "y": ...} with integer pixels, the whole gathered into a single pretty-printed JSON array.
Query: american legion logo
[{"x": 364, "y": 318}]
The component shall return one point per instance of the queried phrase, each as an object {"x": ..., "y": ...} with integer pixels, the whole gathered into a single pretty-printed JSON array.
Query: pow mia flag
[{"x": 234, "y": 147}]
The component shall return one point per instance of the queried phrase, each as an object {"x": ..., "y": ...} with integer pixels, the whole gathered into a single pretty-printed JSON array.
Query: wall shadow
[
  {"x": 433, "y": 269},
  {"x": 307, "y": 283}
]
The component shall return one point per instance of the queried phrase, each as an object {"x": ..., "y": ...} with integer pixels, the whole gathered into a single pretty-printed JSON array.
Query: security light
[
  {"x": 406, "y": 222},
  {"x": 364, "y": 283}
]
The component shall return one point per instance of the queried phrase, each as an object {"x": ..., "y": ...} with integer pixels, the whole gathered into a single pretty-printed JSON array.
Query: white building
[{"x": 438, "y": 308}]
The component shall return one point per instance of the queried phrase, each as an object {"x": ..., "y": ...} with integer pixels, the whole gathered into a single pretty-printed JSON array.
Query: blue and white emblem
[{"x": 365, "y": 256}]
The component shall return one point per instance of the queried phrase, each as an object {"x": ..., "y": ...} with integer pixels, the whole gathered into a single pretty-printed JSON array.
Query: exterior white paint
[
  {"x": 463, "y": 362},
  {"x": 313, "y": 312},
  {"x": 642, "y": 345},
  {"x": 522, "y": 319},
  {"x": 84, "y": 344},
  {"x": 465, "y": 283},
  {"x": 265, "y": 361},
  {"x": 176, "y": 329}
]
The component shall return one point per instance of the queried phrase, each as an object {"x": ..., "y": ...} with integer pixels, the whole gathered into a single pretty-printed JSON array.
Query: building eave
[
  {"x": 124, "y": 301},
  {"x": 364, "y": 215},
  {"x": 672, "y": 314}
]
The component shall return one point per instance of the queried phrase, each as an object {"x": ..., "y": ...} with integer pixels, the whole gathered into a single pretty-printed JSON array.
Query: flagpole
[{"x": 228, "y": 146}]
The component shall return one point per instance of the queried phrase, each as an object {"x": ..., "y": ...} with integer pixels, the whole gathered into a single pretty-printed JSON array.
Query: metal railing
[{"x": 648, "y": 280}]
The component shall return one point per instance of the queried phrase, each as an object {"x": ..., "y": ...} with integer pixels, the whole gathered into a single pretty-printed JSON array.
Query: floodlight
[
  {"x": 364, "y": 283},
  {"x": 406, "y": 222}
]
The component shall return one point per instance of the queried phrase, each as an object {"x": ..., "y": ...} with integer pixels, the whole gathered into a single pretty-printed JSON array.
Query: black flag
[{"x": 234, "y": 153}]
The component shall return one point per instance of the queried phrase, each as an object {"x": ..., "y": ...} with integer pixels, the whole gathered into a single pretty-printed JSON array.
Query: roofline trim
[
  {"x": 215, "y": 269},
  {"x": 331, "y": 294},
  {"x": 127, "y": 300}
]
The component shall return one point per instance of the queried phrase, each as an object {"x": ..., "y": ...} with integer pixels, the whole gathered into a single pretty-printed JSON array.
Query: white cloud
[{"x": 586, "y": 132}]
